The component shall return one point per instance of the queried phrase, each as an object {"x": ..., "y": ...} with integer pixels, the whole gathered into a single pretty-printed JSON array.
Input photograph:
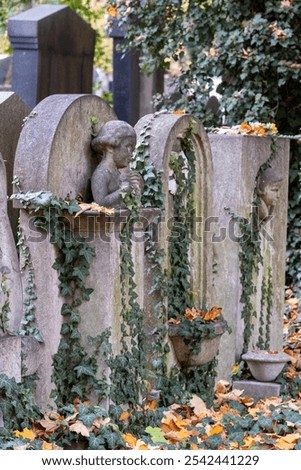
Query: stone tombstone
[
  {"x": 11, "y": 305},
  {"x": 236, "y": 162},
  {"x": 5, "y": 72},
  {"x": 54, "y": 154},
  {"x": 164, "y": 139},
  {"x": 133, "y": 91},
  {"x": 12, "y": 113},
  {"x": 53, "y": 50}
]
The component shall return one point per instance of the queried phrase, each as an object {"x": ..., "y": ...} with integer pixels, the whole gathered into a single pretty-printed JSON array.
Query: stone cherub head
[
  {"x": 114, "y": 145},
  {"x": 268, "y": 187}
]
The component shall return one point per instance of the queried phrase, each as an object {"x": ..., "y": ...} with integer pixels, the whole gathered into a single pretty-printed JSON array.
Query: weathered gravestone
[
  {"x": 163, "y": 134},
  {"x": 57, "y": 140},
  {"x": 5, "y": 72},
  {"x": 237, "y": 161},
  {"x": 133, "y": 91},
  {"x": 53, "y": 50},
  {"x": 11, "y": 306},
  {"x": 12, "y": 113}
]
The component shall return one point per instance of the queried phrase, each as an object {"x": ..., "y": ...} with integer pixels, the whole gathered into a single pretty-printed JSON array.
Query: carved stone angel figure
[{"x": 114, "y": 145}]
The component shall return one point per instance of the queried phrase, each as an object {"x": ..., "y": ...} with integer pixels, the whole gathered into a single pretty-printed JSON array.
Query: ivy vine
[{"x": 5, "y": 309}]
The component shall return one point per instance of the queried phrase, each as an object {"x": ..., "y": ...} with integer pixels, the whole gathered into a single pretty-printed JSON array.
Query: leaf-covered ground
[{"x": 233, "y": 422}]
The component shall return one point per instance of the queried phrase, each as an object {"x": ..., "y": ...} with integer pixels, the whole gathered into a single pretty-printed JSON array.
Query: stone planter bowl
[
  {"x": 209, "y": 347},
  {"x": 265, "y": 366}
]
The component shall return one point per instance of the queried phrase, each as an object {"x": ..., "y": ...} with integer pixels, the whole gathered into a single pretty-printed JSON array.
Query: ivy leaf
[
  {"x": 7, "y": 384},
  {"x": 96, "y": 442},
  {"x": 157, "y": 435},
  {"x": 84, "y": 370}
]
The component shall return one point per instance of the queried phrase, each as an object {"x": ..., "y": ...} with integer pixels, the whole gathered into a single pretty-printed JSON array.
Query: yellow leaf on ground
[
  {"x": 182, "y": 435},
  {"x": 25, "y": 434},
  {"x": 151, "y": 405},
  {"x": 216, "y": 429},
  {"x": 193, "y": 446},
  {"x": 49, "y": 446},
  {"x": 140, "y": 445},
  {"x": 287, "y": 442},
  {"x": 124, "y": 415},
  {"x": 130, "y": 440},
  {"x": 234, "y": 445},
  {"x": 249, "y": 441}
]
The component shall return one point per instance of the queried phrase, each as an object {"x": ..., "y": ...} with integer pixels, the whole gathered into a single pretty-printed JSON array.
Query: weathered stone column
[{"x": 236, "y": 162}]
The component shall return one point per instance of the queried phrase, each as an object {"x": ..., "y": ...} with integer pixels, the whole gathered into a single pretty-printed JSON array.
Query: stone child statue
[
  {"x": 114, "y": 145},
  {"x": 268, "y": 186}
]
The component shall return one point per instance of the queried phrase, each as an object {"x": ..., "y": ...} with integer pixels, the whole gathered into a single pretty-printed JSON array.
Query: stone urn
[
  {"x": 265, "y": 366},
  {"x": 207, "y": 346}
]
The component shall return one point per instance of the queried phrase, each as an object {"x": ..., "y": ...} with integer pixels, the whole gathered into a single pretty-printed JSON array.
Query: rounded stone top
[{"x": 54, "y": 149}]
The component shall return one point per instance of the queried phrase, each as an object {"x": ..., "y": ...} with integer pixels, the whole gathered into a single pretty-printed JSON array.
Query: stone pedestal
[
  {"x": 236, "y": 162},
  {"x": 257, "y": 390}
]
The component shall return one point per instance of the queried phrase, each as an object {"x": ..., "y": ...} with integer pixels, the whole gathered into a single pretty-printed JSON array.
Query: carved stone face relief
[{"x": 268, "y": 190}]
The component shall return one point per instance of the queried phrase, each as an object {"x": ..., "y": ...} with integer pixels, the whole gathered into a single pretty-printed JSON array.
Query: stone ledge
[{"x": 255, "y": 389}]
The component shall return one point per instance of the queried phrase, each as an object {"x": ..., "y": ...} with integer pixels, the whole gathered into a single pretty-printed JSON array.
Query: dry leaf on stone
[{"x": 94, "y": 207}]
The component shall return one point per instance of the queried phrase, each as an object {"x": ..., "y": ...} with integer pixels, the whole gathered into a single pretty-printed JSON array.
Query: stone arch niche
[
  {"x": 164, "y": 137},
  {"x": 54, "y": 154}
]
